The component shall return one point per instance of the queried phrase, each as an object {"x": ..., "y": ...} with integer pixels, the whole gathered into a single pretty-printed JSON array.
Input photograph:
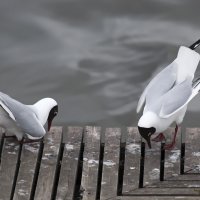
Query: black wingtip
[
  {"x": 196, "y": 82},
  {"x": 195, "y": 45}
]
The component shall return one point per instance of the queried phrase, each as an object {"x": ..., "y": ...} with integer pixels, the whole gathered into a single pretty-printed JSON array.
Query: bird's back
[
  {"x": 180, "y": 71},
  {"x": 23, "y": 115}
]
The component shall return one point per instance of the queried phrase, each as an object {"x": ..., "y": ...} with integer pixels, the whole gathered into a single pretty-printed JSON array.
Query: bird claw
[
  {"x": 169, "y": 146},
  {"x": 159, "y": 138}
]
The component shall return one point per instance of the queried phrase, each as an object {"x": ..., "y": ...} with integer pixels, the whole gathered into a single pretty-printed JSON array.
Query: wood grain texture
[
  {"x": 91, "y": 161},
  {"x": 52, "y": 142},
  {"x": 72, "y": 139},
  {"x": 110, "y": 163},
  {"x": 174, "y": 185},
  {"x": 26, "y": 171},
  {"x": 132, "y": 160},
  {"x": 8, "y": 165},
  {"x": 156, "y": 198},
  {"x": 192, "y": 150}
]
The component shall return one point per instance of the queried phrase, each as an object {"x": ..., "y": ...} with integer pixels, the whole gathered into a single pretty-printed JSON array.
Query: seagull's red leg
[
  {"x": 172, "y": 144},
  {"x": 159, "y": 138}
]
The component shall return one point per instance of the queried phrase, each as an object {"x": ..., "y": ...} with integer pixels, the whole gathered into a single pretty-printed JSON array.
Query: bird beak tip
[
  {"x": 49, "y": 126},
  {"x": 149, "y": 144}
]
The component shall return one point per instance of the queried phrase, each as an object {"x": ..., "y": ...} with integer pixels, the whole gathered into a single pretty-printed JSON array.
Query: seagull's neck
[
  {"x": 148, "y": 120},
  {"x": 151, "y": 119},
  {"x": 42, "y": 109}
]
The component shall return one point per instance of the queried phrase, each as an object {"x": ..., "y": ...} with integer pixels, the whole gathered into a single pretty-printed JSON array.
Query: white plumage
[
  {"x": 26, "y": 120},
  {"x": 167, "y": 95}
]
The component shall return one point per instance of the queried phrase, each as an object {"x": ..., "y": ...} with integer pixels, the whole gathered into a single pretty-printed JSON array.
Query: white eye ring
[{"x": 149, "y": 134}]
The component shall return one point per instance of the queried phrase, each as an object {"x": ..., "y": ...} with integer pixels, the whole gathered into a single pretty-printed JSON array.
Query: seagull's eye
[{"x": 55, "y": 113}]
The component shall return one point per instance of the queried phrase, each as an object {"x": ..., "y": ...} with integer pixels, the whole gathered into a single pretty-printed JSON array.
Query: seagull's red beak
[{"x": 49, "y": 124}]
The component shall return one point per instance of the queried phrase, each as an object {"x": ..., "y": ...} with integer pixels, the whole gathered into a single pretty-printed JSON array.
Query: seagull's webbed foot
[
  {"x": 159, "y": 138},
  {"x": 169, "y": 146}
]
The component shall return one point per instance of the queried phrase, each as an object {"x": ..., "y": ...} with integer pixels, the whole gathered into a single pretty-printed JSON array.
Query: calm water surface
[{"x": 93, "y": 57}]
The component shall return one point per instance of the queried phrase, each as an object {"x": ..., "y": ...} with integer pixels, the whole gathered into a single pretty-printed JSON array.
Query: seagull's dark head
[
  {"x": 53, "y": 112},
  {"x": 146, "y": 133}
]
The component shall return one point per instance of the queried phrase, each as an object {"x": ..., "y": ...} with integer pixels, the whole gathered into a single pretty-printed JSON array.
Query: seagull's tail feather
[{"x": 196, "y": 83}]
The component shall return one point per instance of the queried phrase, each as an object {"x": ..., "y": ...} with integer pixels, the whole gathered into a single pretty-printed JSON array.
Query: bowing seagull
[
  {"x": 26, "y": 121},
  {"x": 167, "y": 95}
]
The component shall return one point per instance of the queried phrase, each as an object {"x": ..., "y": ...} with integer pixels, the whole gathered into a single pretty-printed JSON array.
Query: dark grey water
[{"x": 93, "y": 57}]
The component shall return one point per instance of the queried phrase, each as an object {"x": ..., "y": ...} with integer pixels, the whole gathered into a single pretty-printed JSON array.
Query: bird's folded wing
[
  {"x": 4, "y": 110},
  {"x": 23, "y": 115},
  {"x": 8, "y": 104},
  {"x": 159, "y": 85},
  {"x": 176, "y": 98},
  {"x": 8, "y": 111}
]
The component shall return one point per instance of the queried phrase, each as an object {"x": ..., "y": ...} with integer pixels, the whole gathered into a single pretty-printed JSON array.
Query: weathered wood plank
[
  {"x": 173, "y": 180},
  {"x": 111, "y": 163},
  {"x": 172, "y": 157},
  {"x": 192, "y": 150},
  {"x": 152, "y": 161},
  {"x": 174, "y": 183},
  {"x": 37, "y": 169},
  {"x": 172, "y": 171},
  {"x": 72, "y": 139},
  {"x": 155, "y": 198},
  {"x": 122, "y": 158},
  {"x": 151, "y": 191},
  {"x": 16, "y": 171},
  {"x": 132, "y": 161},
  {"x": 26, "y": 171},
  {"x": 177, "y": 183},
  {"x": 8, "y": 166},
  {"x": 57, "y": 171},
  {"x": 52, "y": 142},
  {"x": 91, "y": 160}
]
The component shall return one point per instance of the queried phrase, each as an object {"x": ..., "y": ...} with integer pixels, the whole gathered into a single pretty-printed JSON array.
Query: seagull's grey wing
[
  {"x": 176, "y": 98},
  {"x": 159, "y": 85},
  {"x": 23, "y": 115},
  {"x": 7, "y": 110},
  {"x": 29, "y": 123}
]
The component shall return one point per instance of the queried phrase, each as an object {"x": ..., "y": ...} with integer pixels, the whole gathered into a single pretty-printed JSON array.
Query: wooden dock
[{"x": 92, "y": 163}]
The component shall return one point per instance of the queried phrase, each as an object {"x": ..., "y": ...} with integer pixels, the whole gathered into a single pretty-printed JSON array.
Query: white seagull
[
  {"x": 167, "y": 95},
  {"x": 26, "y": 121}
]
